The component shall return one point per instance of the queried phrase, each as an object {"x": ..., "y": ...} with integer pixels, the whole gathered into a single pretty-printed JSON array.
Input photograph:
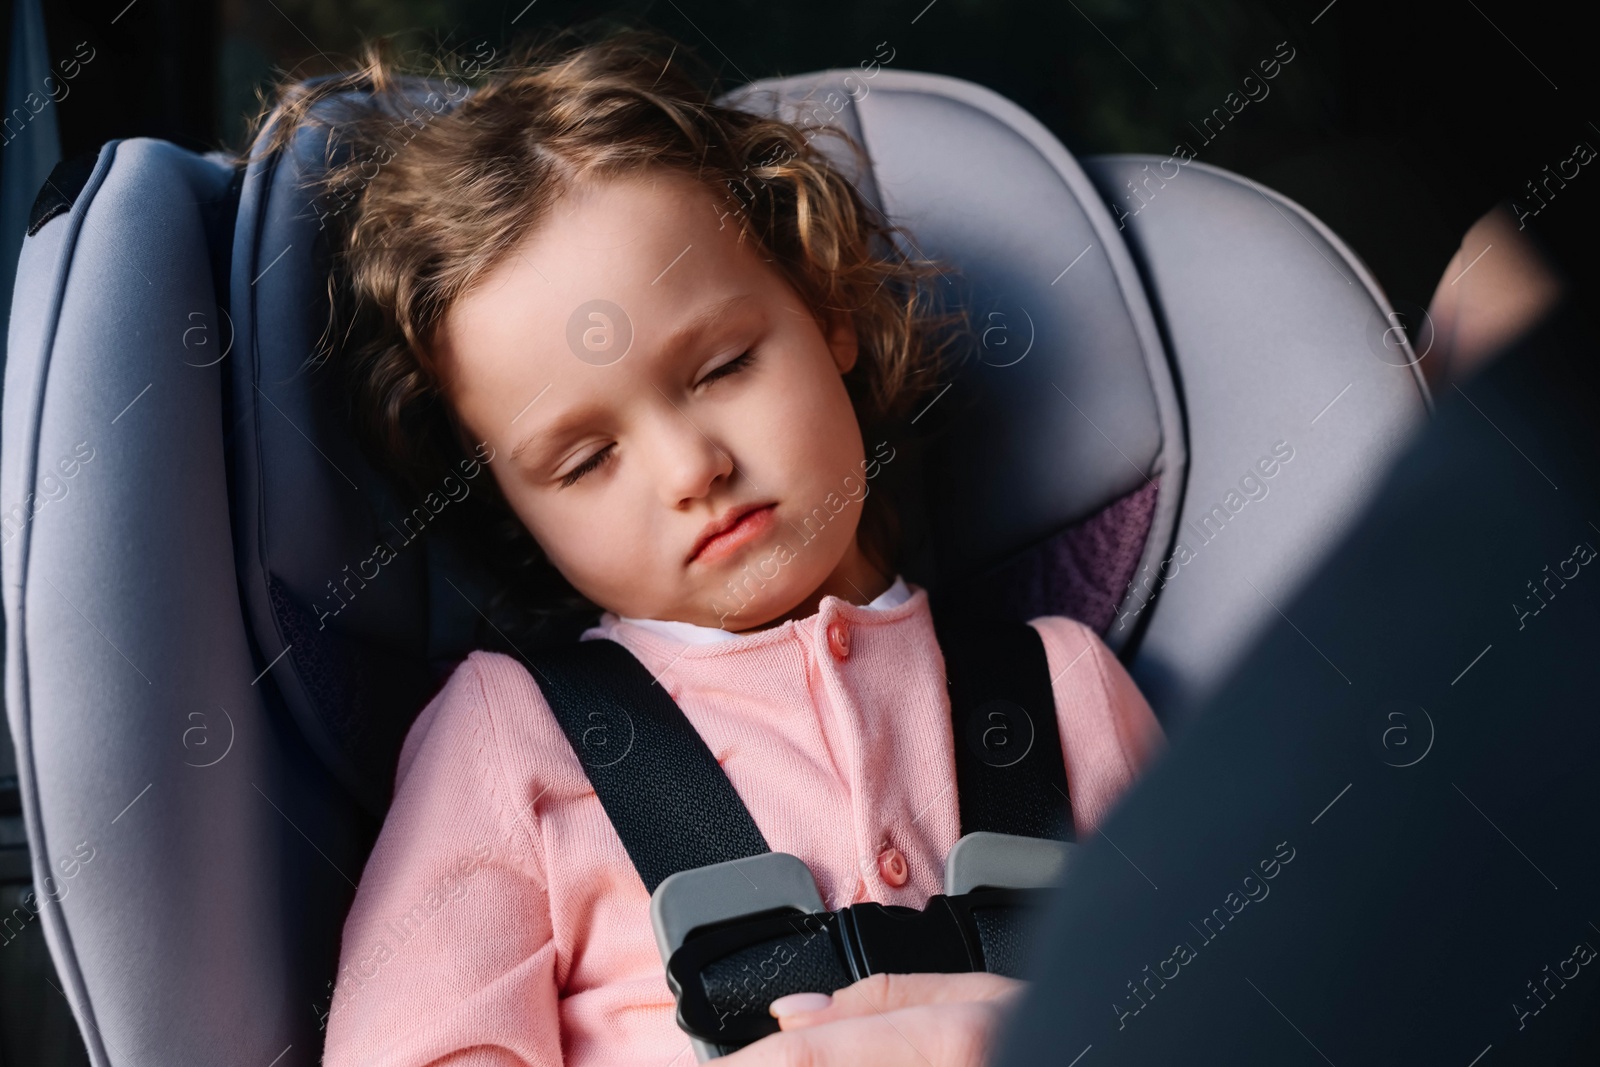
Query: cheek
[
  {"x": 583, "y": 539},
  {"x": 835, "y": 446},
  {"x": 579, "y": 537},
  {"x": 808, "y": 415}
]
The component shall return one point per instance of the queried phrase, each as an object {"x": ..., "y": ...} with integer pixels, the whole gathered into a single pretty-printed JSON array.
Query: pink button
[
  {"x": 839, "y": 639},
  {"x": 892, "y": 866}
]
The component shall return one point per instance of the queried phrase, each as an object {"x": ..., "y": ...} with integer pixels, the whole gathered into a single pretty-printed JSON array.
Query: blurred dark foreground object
[{"x": 1377, "y": 844}]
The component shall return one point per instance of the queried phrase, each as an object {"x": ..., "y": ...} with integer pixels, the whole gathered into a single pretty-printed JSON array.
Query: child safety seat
[{"x": 1187, "y": 388}]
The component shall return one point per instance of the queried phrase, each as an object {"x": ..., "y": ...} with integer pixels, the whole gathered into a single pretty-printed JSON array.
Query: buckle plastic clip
[
  {"x": 866, "y": 938},
  {"x": 765, "y": 911}
]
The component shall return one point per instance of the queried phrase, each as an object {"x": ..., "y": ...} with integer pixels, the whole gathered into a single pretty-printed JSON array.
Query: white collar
[{"x": 693, "y": 634}]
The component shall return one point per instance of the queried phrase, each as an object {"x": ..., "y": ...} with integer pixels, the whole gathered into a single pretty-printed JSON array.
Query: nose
[{"x": 687, "y": 460}]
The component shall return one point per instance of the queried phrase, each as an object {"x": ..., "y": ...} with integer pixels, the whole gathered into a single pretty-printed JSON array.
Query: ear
[{"x": 842, "y": 340}]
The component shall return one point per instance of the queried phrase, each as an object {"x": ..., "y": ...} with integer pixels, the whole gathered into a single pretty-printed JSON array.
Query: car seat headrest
[{"x": 1037, "y": 481}]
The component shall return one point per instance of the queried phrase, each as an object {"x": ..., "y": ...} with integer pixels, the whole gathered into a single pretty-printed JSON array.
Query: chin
[{"x": 747, "y": 599}]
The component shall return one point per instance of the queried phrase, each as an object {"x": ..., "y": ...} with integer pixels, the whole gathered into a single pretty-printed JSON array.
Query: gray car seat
[{"x": 1205, "y": 389}]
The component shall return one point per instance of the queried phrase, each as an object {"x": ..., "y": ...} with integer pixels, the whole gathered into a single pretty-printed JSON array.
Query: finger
[
  {"x": 881, "y": 993},
  {"x": 944, "y": 1035},
  {"x": 798, "y": 1006}
]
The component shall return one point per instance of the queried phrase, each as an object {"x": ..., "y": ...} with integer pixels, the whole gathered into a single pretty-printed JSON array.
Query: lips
[{"x": 736, "y": 526}]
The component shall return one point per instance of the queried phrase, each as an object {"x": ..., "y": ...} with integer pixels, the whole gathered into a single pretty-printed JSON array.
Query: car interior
[{"x": 1186, "y": 388}]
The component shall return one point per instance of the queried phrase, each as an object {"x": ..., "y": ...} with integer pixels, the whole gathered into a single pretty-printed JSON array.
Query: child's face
[{"x": 680, "y": 432}]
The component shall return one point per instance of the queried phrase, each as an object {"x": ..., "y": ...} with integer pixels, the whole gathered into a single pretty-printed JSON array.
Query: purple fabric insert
[{"x": 1081, "y": 572}]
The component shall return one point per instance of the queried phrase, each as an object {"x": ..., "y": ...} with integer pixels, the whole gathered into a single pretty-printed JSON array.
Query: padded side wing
[
  {"x": 1298, "y": 389},
  {"x": 334, "y": 580},
  {"x": 169, "y": 811}
]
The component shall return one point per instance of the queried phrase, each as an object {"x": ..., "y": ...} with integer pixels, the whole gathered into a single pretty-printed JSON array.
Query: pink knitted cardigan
[{"x": 499, "y": 921}]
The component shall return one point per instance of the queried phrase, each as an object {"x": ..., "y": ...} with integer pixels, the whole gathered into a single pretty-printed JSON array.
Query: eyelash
[
  {"x": 733, "y": 366},
  {"x": 571, "y": 477}
]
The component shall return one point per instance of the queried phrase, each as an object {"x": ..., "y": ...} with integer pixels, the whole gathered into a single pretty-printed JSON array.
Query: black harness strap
[
  {"x": 675, "y": 809},
  {"x": 1010, "y": 774},
  {"x": 671, "y": 804}
]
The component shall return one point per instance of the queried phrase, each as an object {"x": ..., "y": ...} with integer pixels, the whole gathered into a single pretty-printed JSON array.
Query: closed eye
[
  {"x": 594, "y": 461},
  {"x": 733, "y": 366}
]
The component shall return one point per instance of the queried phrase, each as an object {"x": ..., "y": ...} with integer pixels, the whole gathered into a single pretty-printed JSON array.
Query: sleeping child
[{"x": 661, "y": 325}]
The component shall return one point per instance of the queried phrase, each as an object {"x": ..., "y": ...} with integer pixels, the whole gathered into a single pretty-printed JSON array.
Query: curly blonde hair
[{"x": 435, "y": 170}]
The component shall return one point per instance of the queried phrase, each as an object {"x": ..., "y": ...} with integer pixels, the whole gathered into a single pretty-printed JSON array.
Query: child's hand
[{"x": 942, "y": 1020}]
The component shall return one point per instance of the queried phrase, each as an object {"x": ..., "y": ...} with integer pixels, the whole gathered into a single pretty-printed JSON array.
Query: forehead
[{"x": 622, "y": 262}]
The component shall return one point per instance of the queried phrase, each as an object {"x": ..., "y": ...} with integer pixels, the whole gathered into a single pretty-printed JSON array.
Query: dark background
[{"x": 1398, "y": 124}]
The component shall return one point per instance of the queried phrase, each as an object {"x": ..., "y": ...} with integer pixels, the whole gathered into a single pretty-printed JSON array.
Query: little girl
[{"x": 662, "y": 324}]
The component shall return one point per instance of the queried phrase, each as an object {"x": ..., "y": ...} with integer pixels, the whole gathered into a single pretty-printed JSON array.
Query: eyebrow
[{"x": 682, "y": 338}]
